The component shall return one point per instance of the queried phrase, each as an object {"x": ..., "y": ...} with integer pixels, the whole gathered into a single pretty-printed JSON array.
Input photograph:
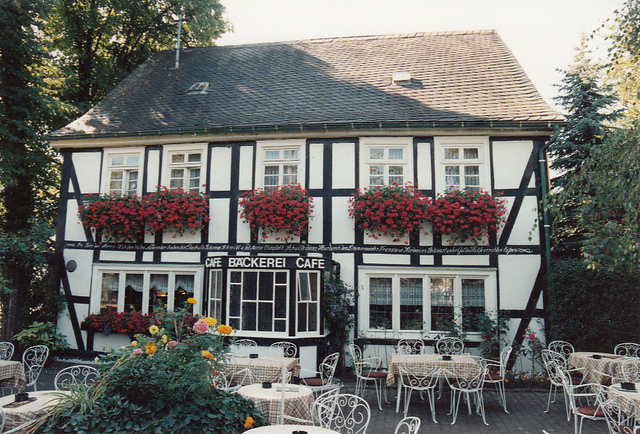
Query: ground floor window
[
  {"x": 427, "y": 301},
  {"x": 144, "y": 290}
]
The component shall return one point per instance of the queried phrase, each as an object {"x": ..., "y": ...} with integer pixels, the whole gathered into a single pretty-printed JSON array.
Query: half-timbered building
[{"x": 333, "y": 115}]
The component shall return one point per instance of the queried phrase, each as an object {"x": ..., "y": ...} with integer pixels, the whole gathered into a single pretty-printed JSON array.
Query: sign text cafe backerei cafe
[{"x": 266, "y": 262}]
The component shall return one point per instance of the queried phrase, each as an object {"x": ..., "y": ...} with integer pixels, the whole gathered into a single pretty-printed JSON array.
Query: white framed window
[
  {"x": 258, "y": 301},
  {"x": 463, "y": 162},
  {"x": 405, "y": 301},
  {"x": 215, "y": 294},
  {"x": 385, "y": 161},
  {"x": 185, "y": 167},
  {"x": 280, "y": 162},
  {"x": 136, "y": 289},
  {"x": 308, "y": 294},
  {"x": 122, "y": 172}
]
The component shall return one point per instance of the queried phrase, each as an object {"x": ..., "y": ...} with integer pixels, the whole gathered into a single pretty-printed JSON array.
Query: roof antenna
[{"x": 178, "y": 41}]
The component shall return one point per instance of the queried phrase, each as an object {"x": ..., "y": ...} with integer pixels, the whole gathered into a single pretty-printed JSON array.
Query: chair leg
[
  {"x": 551, "y": 386},
  {"x": 398, "y": 394},
  {"x": 432, "y": 403}
]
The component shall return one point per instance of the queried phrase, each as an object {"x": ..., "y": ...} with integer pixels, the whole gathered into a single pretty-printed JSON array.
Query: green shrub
[
  {"x": 594, "y": 310},
  {"x": 42, "y": 333}
]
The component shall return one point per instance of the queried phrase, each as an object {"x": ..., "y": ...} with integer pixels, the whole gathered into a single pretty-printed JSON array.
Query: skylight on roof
[
  {"x": 198, "y": 88},
  {"x": 401, "y": 78}
]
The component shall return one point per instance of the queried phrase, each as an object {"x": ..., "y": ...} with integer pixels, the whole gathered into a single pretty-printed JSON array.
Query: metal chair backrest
[
  {"x": 619, "y": 410},
  {"x": 245, "y": 343},
  {"x": 410, "y": 346},
  {"x": 419, "y": 376},
  {"x": 504, "y": 359},
  {"x": 629, "y": 349},
  {"x": 356, "y": 356},
  {"x": 630, "y": 370},
  {"x": 6, "y": 350},
  {"x": 561, "y": 347},
  {"x": 408, "y": 425},
  {"x": 288, "y": 349},
  {"x": 451, "y": 346},
  {"x": 553, "y": 360},
  {"x": 327, "y": 368},
  {"x": 351, "y": 415},
  {"x": 323, "y": 407},
  {"x": 77, "y": 375},
  {"x": 33, "y": 360}
]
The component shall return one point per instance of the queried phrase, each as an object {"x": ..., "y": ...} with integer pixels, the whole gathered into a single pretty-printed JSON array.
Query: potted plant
[
  {"x": 116, "y": 217},
  {"x": 467, "y": 215},
  {"x": 283, "y": 211},
  {"x": 389, "y": 210}
]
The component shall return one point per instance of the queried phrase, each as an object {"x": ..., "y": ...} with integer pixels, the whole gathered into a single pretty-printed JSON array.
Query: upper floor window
[
  {"x": 185, "y": 170},
  {"x": 385, "y": 161},
  {"x": 463, "y": 163},
  {"x": 123, "y": 173},
  {"x": 280, "y": 162}
]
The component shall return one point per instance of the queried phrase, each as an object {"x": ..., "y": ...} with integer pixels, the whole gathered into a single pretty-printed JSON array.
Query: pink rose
[
  {"x": 201, "y": 326},
  {"x": 138, "y": 351},
  {"x": 172, "y": 343}
]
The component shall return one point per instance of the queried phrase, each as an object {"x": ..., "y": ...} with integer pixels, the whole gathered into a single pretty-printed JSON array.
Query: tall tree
[
  {"x": 24, "y": 157},
  {"x": 100, "y": 42}
]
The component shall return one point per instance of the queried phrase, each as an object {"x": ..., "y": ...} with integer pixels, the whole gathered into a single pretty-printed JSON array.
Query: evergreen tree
[{"x": 588, "y": 105}]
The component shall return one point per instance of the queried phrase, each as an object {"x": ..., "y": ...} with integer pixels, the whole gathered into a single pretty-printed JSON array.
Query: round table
[
  {"x": 19, "y": 414},
  {"x": 297, "y": 400},
  {"x": 288, "y": 429}
]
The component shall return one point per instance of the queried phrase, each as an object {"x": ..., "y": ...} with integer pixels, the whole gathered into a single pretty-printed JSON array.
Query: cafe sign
[{"x": 266, "y": 262}]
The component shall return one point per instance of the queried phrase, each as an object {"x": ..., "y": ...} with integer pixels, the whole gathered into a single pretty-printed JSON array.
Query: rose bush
[
  {"x": 389, "y": 210},
  {"x": 467, "y": 215},
  {"x": 274, "y": 210}
]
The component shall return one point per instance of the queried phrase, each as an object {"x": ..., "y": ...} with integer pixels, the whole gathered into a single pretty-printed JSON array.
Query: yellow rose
[
  {"x": 224, "y": 329},
  {"x": 153, "y": 329},
  {"x": 134, "y": 343},
  {"x": 150, "y": 348},
  {"x": 211, "y": 321},
  {"x": 191, "y": 300},
  {"x": 248, "y": 422},
  {"x": 164, "y": 339},
  {"x": 207, "y": 354}
]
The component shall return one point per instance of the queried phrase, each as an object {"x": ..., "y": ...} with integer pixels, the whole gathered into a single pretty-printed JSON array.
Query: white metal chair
[
  {"x": 6, "y": 350},
  {"x": 410, "y": 346},
  {"x": 552, "y": 361},
  {"x": 582, "y": 400},
  {"x": 630, "y": 370},
  {"x": 496, "y": 373},
  {"x": 288, "y": 349},
  {"x": 77, "y": 375},
  {"x": 468, "y": 381},
  {"x": 628, "y": 349},
  {"x": 421, "y": 378},
  {"x": 367, "y": 370},
  {"x": 408, "y": 425},
  {"x": 350, "y": 415},
  {"x": 619, "y": 410},
  {"x": 562, "y": 347},
  {"x": 322, "y": 407},
  {"x": 323, "y": 377},
  {"x": 33, "y": 359},
  {"x": 452, "y": 346}
]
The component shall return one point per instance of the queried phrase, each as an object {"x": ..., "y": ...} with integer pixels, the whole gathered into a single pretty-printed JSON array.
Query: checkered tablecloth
[
  {"x": 12, "y": 374},
  {"x": 31, "y": 411},
  {"x": 629, "y": 401},
  {"x": 297, "y": 400},
  {"x": 262, "y": 369},
  {"x": 595, "y": 368},
  {"x": 429, "y": 360}
]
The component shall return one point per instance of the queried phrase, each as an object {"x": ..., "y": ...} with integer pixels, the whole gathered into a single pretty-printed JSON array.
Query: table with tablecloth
[
  {"x": 39, "y": 405},
  {"x": 290, "y": 429},
  {"x": 596, "y": 370},
  {"x": 448, "y": 367},
  {"x": 12, "y": 374},
  {"x": 265, "y": 368},
  {"x": 297, "y": 400}
]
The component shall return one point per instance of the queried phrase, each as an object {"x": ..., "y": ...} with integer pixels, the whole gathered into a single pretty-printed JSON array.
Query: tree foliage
[{"x": 99, "y": 42}]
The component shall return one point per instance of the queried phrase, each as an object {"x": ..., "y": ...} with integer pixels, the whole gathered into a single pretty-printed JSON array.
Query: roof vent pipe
[{"x": 178, "y": 41}]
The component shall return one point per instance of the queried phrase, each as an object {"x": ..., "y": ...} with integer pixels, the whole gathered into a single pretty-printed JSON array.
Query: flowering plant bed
[
  {"x": 284, "y": 209},
  {"x": 389, "y": 210},
  {"x": 123, "y": 218},
  {"x": 467, "y": 215},
  {"x": 129, "y": 323}
]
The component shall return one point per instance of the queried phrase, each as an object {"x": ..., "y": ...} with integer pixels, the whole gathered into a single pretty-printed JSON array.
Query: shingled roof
[{"x": 456, "y": 77}]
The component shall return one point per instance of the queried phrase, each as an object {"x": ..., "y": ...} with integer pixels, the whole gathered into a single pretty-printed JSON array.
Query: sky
[{"x": 542, "y": 34}]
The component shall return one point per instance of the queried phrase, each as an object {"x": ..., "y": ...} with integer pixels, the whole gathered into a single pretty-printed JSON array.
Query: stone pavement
[{"x": 526, "y": 412}]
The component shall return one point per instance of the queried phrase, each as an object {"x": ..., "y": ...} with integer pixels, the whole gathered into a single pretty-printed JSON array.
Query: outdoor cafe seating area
[{"x": 596, "y": 387}]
